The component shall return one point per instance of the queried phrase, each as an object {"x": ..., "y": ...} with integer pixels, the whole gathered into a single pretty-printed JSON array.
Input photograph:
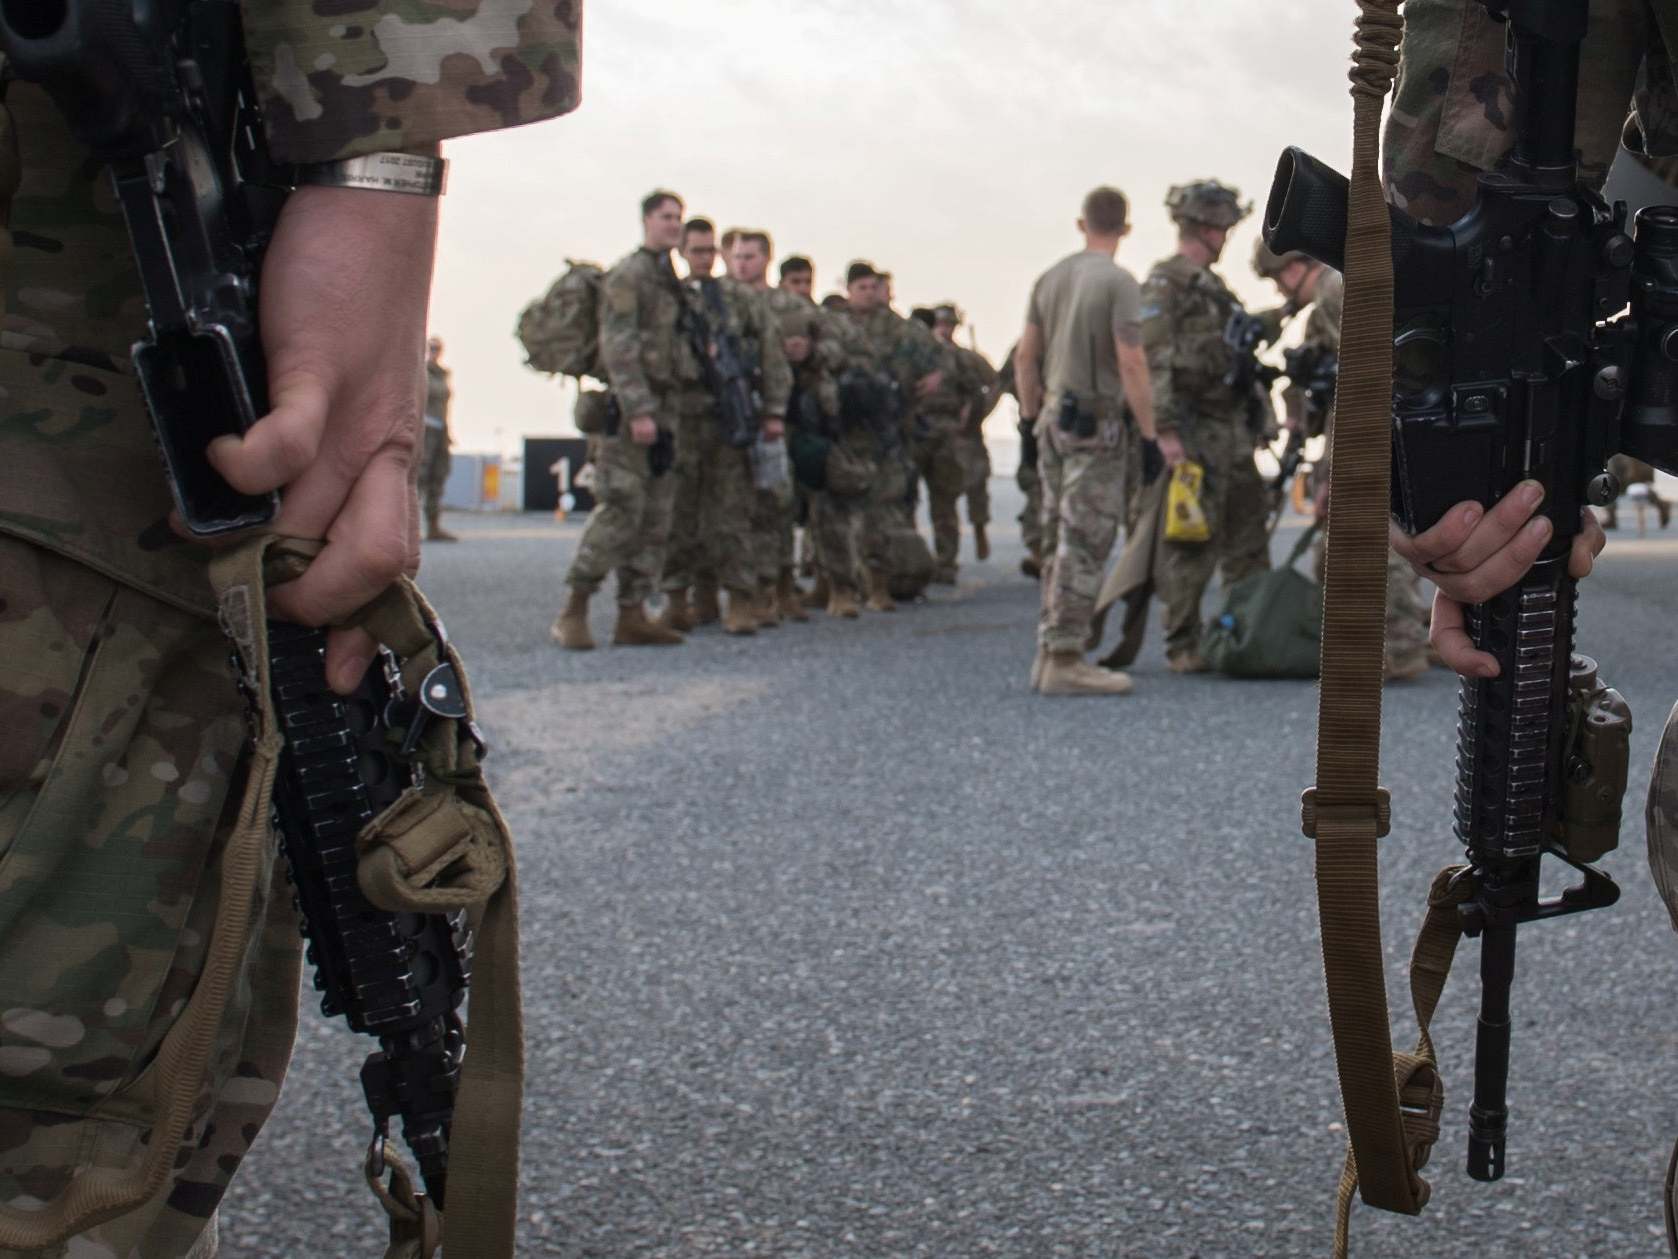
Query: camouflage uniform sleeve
[
  {"x": 777, "y": 372},
  {"x": 1159, "y": 340},
  {"x": 339, "y": 79},
  {"x": 620, "y": 342},
  {"x": 830, "y": 343}
]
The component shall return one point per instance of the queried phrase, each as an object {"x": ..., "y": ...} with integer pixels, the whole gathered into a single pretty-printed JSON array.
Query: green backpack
[
  {"x": 560, "y": 331},
  {"x": 1271, "y": 623}
]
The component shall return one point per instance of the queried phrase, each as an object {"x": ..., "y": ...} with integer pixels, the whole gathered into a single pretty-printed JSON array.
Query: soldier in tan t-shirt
[{"x": 1079, "y": 362}]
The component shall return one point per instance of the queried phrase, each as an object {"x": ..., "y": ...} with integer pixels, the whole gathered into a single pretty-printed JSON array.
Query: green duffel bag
[{"x": 1271, "y": 623}]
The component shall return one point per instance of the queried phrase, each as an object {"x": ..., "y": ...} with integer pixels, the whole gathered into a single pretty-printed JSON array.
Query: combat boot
[
  {"x": 1190, "y": 661},
  {"x": 767, "y": 607},
  {"x": 570, "y": 628},
  {"x": 434, "y": 531},
  {"x": 820, "y": 594},
  {"x": 742, "y": 616},
  {"x": 981, "y": 543},
  {"x": 842, "y": 602},
  {"x": 635, "y": 630},
  {"x": 791, "y": 598},
  {"x": 879, "y": 593},
  {"x": 1068, "y": 673},
  {"x": 706, "y": 609},
  {"x": 678, "y": 614}
]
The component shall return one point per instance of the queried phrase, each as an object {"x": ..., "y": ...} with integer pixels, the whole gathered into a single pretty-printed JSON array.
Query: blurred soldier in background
[
  {"x": 1305, "y": 282},
  {"x": 1186, "y": 307},
  {"x": 982, "y": 393},
  {"x": 1079, "y": 364},
  {"x": 434, "y": 462},
  {"x": 882, "y": 343},
  {"x": 936, "y": 437},
  {"x": 647, "y": 361},
  {"x": 1631, "y": 472},
  {"x": 774, "y": 521},
  {"x": 1026, "y": 475}
]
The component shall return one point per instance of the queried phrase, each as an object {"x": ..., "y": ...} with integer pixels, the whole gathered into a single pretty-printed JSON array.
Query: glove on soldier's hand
[{"x": 1153, "y": 461}]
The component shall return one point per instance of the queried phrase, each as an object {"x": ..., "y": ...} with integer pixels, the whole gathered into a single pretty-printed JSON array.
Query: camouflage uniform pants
[
  {"x": 1030, "y": 480},
  {"x": 711, "y": 503},
  {"x": 975, "y": 467},
  {"x": 1244, "y": 548},
  {"x": 120, "y": 762},
  {"x": 630, "y": 525},
  {"x": 938, "y": 462},
  {"x": 1186, "y": 568},
  {"x": 836, "y": 527},
  {"x": 434, "y": 470},
  {"x": 772, "y": 533},
  {"x": 1083, "y": 502},
  {"x": 886, "y": 509}
]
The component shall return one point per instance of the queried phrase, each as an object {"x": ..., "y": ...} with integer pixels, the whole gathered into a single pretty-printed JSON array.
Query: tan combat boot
[
  {"x": 981, "y": 542},
  {"x": 741, "y": 617},
  {"x": 635, "y": 630},
  {"x": 1189, "y": 661},
  {"x": 766, "y": 607},
  {"x": 570, "y": 628},
  {"x": 842, "y": 602},
  {"x": 879, "y": 594},
  {"x": 1068, "y": 673},
  {"x": 819, "y": 595},
  {"x": 706, "y": 609},
  {"x": 791, "y": 598},
  {"x": 678, "y": 615}
]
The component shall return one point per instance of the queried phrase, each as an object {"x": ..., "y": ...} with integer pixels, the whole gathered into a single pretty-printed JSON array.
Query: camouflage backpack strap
[{"x": 440, "y": 848}]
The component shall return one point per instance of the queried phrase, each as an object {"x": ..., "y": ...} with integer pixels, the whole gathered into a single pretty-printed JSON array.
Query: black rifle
[
  {"x": 728, "y": 375},
  {"x": 1247, "y": 375},
  {"x": 400, "y": 977},
  {"x": 1315, "y": 370},
  {"x": 1510, "y": 363},
  {"x": 161, "y": 91}
]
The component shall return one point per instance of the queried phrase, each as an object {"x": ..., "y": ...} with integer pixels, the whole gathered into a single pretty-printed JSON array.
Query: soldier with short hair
[
  {"x": 883, "y": 343},
  {"x": 646, "y": 360},
  {"x": 1079, "y": 365}
]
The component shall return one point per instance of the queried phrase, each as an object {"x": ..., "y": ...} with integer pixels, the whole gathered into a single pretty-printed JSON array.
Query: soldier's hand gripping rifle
[
  {"x": 728, "y": 375},
  {"x": 161, "y": 91},
  {"x": 1510, "y": 363}
]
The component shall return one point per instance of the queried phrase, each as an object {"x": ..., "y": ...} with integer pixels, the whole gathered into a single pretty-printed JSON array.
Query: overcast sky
[{"x": 949, "y": 141}]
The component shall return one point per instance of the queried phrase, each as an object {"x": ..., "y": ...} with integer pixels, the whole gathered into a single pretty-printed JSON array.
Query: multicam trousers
[
  {"x": 630, "y": 525},
  {"x": 938, "y": 462},
  {"x": 1083, "y": 503},
  {"x": 712, "y": 503}
]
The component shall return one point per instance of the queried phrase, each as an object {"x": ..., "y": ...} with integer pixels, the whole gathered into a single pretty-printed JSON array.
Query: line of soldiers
[
  {"x": 736, "y": 410},
  {"x": 1118, "y": 382}
]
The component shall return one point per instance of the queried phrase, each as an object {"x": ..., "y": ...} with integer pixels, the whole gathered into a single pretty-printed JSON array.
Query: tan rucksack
[{"x": 560, "y": 331}]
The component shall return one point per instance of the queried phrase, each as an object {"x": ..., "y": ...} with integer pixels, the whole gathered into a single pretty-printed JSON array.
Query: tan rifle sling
[{"x": 1392, "y": 1100}]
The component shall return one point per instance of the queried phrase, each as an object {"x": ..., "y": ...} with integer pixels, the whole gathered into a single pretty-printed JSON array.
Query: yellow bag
[{"x": 1185, "y": 519}]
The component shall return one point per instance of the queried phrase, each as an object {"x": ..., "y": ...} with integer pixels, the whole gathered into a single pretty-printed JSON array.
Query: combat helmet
[
  {"x": 1206, "y": 203},
  {"x": 1268, "y": 264}
]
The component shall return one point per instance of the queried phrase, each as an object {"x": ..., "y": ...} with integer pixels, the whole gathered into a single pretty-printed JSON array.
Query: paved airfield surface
[{"x": 840, "y": 942}]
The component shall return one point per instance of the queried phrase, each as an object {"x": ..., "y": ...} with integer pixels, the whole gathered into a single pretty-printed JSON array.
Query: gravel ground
[{"x": 840, "y": 942}]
